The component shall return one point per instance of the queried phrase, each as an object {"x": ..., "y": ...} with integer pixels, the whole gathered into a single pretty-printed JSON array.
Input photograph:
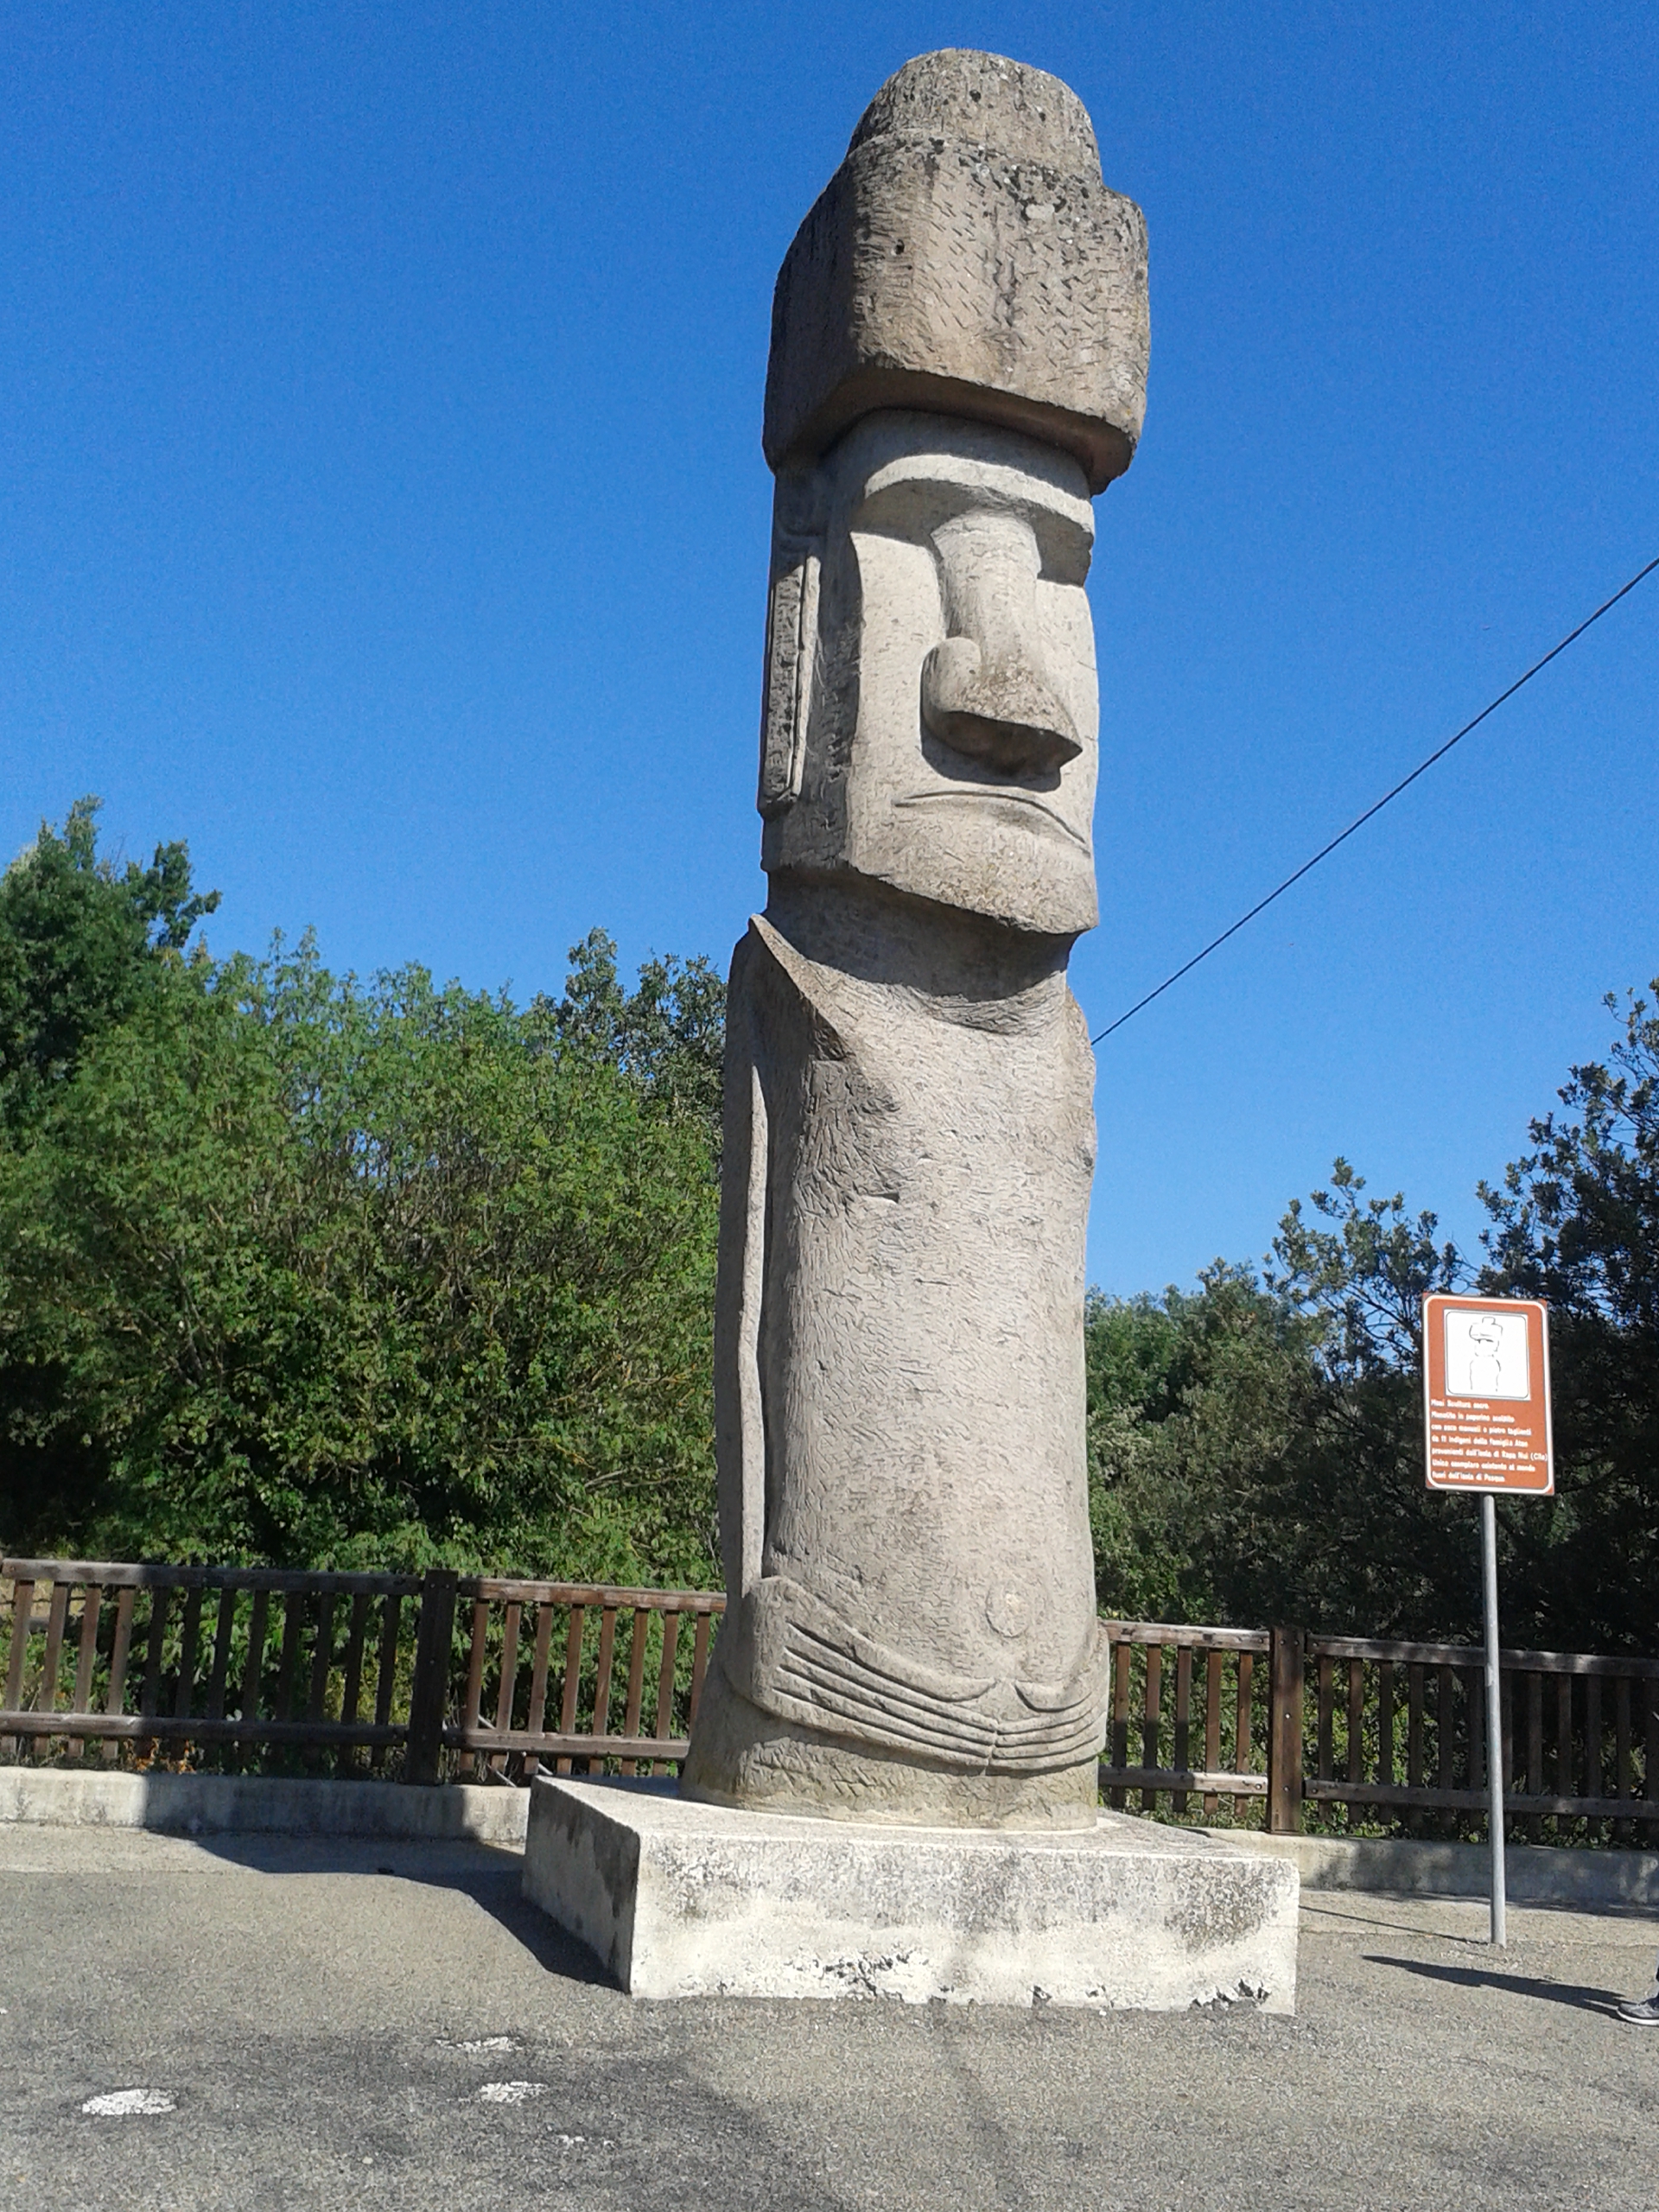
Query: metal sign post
[
  {"x": 1494, "y": 1719},
  {"x": 1487, "y": 1423}
]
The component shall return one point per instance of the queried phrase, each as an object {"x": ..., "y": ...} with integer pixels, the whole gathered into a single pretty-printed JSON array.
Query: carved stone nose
[
  {"x": 999, "y": 711},
  {"x": 983, "y": 693}
]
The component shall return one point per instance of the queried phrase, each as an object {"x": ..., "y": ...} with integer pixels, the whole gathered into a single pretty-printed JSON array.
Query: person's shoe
[{"x": 1639, "y": 2011}]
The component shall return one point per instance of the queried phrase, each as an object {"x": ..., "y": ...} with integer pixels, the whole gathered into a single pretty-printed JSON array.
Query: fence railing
[
  {"x": 1403, "y": 1726},
  {"x": 1293, "y": 1720},
  {"x": 372, "y": 1673},
  {"x": 212, "y": 1656},
  {"x": 1202, "y": 1690},
  {"x": 594, "y": 1655},
  {"x": 417, "y": 1676}
]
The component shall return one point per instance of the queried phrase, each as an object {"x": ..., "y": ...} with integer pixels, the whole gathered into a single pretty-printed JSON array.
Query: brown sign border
[{"x": 1434, "y": 1303}]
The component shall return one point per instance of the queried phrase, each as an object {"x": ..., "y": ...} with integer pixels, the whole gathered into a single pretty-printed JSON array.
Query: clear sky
[{"x": 385, "y": 514}]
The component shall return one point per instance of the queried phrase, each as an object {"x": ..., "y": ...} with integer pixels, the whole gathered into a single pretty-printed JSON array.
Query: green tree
[
  {"x": 1368, "y": 1548},
  {"x": 669, "y": 1033},
  {"x": 81, "y": 943},
  {"x": 297, "y": 1269},
  {"x": 1203, "y": 1406},
  {"x": 1256, "y": 1445},
  {"x": 1256, "y": 1451},
  {"x": 1576, "y": 1221}
]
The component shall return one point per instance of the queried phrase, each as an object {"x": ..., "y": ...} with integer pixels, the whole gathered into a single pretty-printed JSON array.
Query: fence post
[
  {"x": 1286, "y": 1666},
  {"x": 431, "y": 1689}
]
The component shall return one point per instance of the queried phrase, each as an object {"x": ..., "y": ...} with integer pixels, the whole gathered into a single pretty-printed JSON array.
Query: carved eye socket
[
  {"x": 920, "y": 508},
  {"x": 914, "y": 489}
]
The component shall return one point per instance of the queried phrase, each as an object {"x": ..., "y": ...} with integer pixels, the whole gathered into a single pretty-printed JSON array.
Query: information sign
[
  {"x": 1486, "y": 1395},
  {"x": 1486, "y": 1421}
]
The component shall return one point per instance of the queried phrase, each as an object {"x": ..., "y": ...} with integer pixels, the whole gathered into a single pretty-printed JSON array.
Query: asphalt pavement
[{"x": 249, "y": 2023}]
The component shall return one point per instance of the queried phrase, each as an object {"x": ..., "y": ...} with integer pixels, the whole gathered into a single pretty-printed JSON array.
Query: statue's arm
[{"x": 739, "y": 1422}]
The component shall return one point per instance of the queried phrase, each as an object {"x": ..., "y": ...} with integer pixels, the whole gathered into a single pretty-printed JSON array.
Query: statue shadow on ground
[
  {"x": 1575, "y": 1995},
  {"x": 488, "y": 1873}
]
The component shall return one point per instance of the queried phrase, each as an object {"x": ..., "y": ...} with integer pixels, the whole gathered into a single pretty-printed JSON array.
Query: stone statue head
[
  {"x": 931, "y": 718},
  {"x": 958, "y": 363}
]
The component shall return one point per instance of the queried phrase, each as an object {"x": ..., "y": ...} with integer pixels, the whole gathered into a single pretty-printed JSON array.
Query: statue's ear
[{"x": 791, "y": 639}]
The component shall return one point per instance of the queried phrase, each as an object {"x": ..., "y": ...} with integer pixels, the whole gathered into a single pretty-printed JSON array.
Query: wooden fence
[
  {"x": 366, "y": 1672},
  {"x": 641, "y": 1651},
  {"x": 1403, "y": 1726},
  {"x": 420, "y": 1677},
  {"x": 1224, "y": 1719},
  {"x": 1200, "y": 1690}
]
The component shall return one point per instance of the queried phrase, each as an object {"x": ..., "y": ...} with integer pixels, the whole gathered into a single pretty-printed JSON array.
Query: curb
[
  {"x": 1402, "y": 1867},
  {"x": 229, "y": 1804}
]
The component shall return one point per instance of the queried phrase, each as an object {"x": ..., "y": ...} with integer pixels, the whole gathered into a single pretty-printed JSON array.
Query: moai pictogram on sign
[{"x": 1486, "y": 1395}]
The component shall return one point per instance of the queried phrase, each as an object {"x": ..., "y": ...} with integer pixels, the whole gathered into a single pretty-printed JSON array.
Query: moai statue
[{"x": 958, "y": 362}]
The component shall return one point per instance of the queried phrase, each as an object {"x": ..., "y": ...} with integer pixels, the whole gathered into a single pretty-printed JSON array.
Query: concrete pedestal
[{"x": 687, "y": 1900}]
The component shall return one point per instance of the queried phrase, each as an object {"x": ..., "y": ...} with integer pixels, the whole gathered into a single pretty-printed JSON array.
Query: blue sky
[{"x": 385, "y": 514}]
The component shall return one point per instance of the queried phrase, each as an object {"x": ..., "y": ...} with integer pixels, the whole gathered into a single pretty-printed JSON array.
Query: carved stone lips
[{"x": 988, "y": 795}]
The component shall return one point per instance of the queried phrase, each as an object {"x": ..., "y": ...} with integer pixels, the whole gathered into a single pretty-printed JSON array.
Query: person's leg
[{"x": 1641, "y": 2012}]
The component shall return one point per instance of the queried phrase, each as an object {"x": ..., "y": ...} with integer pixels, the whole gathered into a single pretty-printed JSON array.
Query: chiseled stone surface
[
  {"x": 958, "y": 359},
  {"x": 903, "y": 1394},
  {"x": 684, "y": 1900},
  {"x": 932, "y": 712},
  {"x": 966, "y": 257}
]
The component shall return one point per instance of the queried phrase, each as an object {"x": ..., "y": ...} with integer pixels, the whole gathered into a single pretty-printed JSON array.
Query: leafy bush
[{"x": 297, "y": 1269}]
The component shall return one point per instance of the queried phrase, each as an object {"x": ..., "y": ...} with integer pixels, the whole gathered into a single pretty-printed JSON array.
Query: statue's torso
[{"x": 920, "y": 1349}]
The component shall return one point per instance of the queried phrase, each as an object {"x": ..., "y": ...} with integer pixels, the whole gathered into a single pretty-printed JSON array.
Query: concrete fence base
[
  {"x": 1402, "y": 1867},
  {"x": 230, "y": 1804},
  {"x": 227, "y": 1804}
]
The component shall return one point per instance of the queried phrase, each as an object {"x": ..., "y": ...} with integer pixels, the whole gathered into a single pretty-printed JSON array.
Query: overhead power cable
[{"x": 1360, "y": 820}]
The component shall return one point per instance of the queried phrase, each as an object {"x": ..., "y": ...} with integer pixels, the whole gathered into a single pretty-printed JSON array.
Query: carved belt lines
[{"x": 821, "y": 1673}]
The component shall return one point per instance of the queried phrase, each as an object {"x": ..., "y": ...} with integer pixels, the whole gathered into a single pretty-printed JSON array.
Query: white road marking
[
  {"x": 479, "y": 2042},
  {"x": 511, "y": 2093},
  {"x": 117, "y": 2104}
]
